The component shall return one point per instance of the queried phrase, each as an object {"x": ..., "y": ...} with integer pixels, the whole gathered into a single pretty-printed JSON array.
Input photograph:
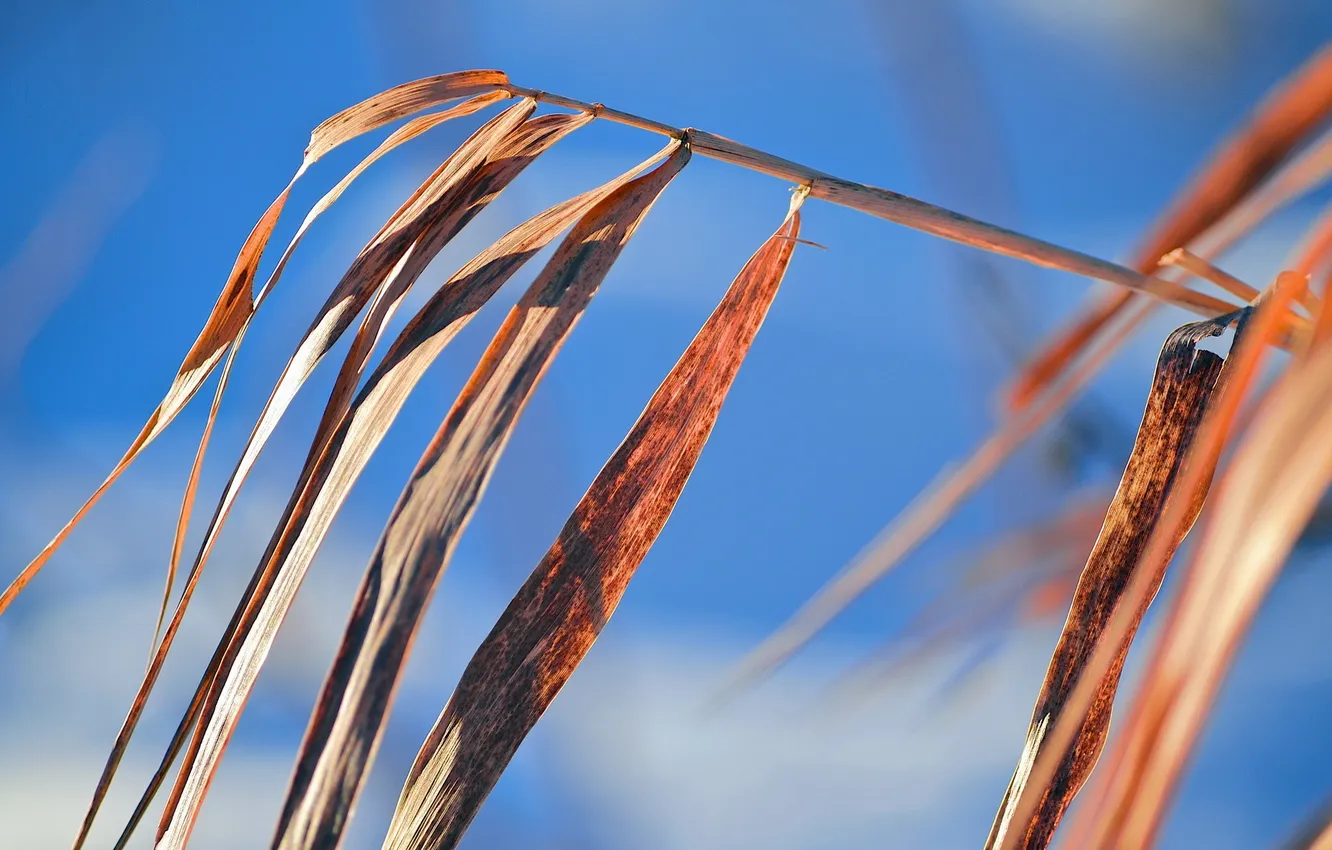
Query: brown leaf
[
  {"x": 1189, "y": 488},
  {"x": 378, "y": 404},
  {"x": 229, "y": 316},
  {"x": 1280, "y": 470},
  {"x": 1185, "y": 378},
  {"x": 382, "y": 275},
  {"x": 234, "y": 308},
  {"x": 408, "y": 131},
  {"x": 399, "y": 102},
  {"x": 443, "y": 491},
  {"x": 554, "y": 619}
]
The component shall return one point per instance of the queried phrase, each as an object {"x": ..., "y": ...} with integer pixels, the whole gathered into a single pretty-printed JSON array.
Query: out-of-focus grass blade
[
  {"x": 1279, "y": 472},
  {"x": 235, "y": 305},
  {"x": 553, "y": 620},
  {"x": 1024, "y": 575},
  {"x": 1315, "y": 833},
  {"x": 1275, "y": 128},
  {"x": 382, "y": 274},
  {"x": 927, "y": 512},
  {"x": 1207, "y": 210},
  {"x": 1185, "y": 378},
  {"x": 438, "y": 500},
  {"x": 1189, "y": 487}
]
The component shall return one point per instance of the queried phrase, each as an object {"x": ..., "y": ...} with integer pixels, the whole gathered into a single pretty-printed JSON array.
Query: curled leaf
[{"x": 1185, "y": 378}]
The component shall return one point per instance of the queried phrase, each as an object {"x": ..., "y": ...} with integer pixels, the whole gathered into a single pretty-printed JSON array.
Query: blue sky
[{"x": 150, "y": 135}]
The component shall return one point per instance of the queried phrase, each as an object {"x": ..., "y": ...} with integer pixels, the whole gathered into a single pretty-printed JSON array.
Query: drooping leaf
[
  {"x": 1280, "y": 470},
  {"x": 234, "y": 307},
  {"x": 1135, "y": 594},
  {"x": 1185, "y": 379},
  {"x": 228, "y": 317},
  {"x": 408, "y": 131},
  {"x": 435, "y": 507},
  {"x": 399, "y": 102},
  {"x": 553, "y": 620},
  {"x": 382, "y": 275}
]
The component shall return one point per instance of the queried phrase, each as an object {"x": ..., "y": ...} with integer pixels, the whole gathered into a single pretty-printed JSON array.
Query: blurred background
[{"x": 144, "y": 138}]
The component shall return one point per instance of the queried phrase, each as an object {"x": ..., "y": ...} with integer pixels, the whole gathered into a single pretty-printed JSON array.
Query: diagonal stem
[{"x": 903, "y": 209}]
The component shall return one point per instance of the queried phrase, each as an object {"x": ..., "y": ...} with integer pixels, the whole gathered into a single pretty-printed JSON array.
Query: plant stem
[{"x": 903, "y": 209}]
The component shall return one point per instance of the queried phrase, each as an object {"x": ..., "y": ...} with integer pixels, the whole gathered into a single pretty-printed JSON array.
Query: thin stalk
[{"x": 901, "y": 209}]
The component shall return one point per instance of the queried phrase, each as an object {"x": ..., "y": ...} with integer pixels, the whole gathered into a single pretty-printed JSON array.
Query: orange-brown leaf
[
  {"x": 1189, "y": 487},
  {"x": 399, "y": 102},
  {"x": 1280, "y": 471},
  {"x": 437, "y": 503},
  {"x": 383, "y": 273},
  {"x": 554, "y": 619},
  {"x": 1185, "y": 378}
]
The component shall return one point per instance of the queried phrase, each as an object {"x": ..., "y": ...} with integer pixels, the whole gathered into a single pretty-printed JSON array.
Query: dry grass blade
[
  {"x": 1315, "y": 833},
  {"x": 1191, "y": 482},
  {"x": 1185, "y": 378},
  {"x": 1279, "y": 473},
  {"x": 926, "y": 513},
  {"x": 1031, "y": 569},
  {"x": 234, "y": 307},
  {"x": 384, "y": 272},
  {"x": 224, "y": 323},
  {"x": 376, "y": 407},
  {"x": 405, "y": 133},
  {"x": 399, "y": 102},
  {"x": 468, "y": 181},
  {"x": 556, "y": 616},
  {"x": 449, "y": 479},
  {"x": 1276, "y": 127}
]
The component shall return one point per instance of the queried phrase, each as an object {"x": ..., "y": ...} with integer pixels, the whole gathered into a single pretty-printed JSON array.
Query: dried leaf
[
  {"x": 234, "y": 307},
  {"x": 399, "y": 102},
  {"x": 229, "y": 316},
  {"x": 443, "y": 490},
  {"x": 1279, "y": 472},
  {"x": 408, "y": 131},
  {"x": 1185, "y": 378},
  {"x": 379, "y": 402},
  {"x": 554, "y": 619},
  {"x": 382, "y": 274},
  {"x": 1189, "y": 488}
]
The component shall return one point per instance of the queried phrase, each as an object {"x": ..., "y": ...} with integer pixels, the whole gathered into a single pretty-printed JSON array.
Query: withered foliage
[{"x": 1269, "y": 449}]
